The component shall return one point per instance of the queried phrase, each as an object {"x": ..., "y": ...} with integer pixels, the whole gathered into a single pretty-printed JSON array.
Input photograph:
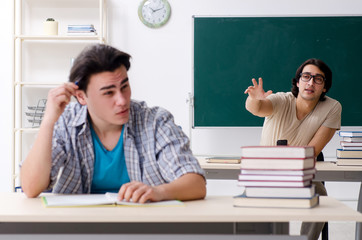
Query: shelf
[
  {"x": 63, "y": 3},
  {"x": 26, "y": 130},
  {"x": 59, "y": 37},
  {"x": 42, "y": 62},
  {"x": 37, "y": 84}
]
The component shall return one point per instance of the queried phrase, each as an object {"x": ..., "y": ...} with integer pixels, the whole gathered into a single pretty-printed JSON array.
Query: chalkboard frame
[{"x": 232, "y": 107}]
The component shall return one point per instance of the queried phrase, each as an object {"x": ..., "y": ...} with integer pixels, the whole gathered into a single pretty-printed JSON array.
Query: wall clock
[{"x": 154, "y": 13}]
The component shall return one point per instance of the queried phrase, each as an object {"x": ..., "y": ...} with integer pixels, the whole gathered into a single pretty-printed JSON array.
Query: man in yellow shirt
[{"x": 304, "y": 116}]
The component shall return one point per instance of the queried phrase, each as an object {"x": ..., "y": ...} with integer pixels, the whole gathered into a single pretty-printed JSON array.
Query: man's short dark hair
[
  {"x": 96, "y": 59},
  {"x": 323, "y": 67}
]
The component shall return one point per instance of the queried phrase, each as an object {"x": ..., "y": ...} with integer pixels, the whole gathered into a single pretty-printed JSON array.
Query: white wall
[{"x": 161, "y": 71}]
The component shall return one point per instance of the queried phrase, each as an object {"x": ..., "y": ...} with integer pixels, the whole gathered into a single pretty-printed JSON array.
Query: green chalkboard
[{"x": 230, "y": 51}]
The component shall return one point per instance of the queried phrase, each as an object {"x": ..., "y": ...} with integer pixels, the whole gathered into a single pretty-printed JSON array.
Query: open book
[{"x": 107, "y": 199}]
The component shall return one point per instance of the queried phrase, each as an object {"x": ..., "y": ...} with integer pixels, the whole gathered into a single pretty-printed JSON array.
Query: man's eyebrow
[
  {"x": 107, "y": 87},
  {"x": 124, "y": 80},
  {"x": 113, "y": 86}
]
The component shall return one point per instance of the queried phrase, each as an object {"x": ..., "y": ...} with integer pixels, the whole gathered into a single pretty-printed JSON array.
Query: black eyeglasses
[{"x": 317, "y": 79}]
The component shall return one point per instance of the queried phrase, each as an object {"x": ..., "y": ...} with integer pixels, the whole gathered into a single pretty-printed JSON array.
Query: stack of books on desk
[
  {"x": 350, "y": 152},
  {"x": 81, "y": 30},
  {"x": 279, "y": 176}
]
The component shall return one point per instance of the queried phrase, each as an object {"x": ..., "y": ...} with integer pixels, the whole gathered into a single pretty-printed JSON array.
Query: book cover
[
  {"x": 278, "y": 172},
  {"x": 278, "y": 163},
  {"x": 350, "y": 133},
  {"x": 350, "y": 144},
  {"x": 255, "y": 183},
  {"x": 267, "y": 202},
  {"x": 252, "y": 177},
  {"x": 352, "y": 139},
  {"x": 282, "y": 192},
  {"x": 349, "y": 162},
  {"x": 351, "y": 148},
  {"x": 107, "y": 199},
  {"x": 341, "y": 153},
  {"x": 234, "y": 160},
  {"x": 277, "y": 151}
]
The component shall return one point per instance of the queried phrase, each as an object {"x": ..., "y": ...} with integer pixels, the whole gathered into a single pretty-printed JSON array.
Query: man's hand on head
[{"x": 58, "y": 99}]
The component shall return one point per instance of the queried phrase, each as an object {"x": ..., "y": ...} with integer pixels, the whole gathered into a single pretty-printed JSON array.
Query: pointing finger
[
  {"x": 261, "y": 82},
  {"x": 254, "y": 82}
]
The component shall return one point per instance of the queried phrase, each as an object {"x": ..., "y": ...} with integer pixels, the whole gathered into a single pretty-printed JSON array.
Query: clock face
[{"x": 154, "y": 13}]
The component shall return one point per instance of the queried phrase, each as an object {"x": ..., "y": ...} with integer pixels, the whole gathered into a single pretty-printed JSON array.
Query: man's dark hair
[
  {"x": 96, "y": 59},
  {"x": 323, "y": 67}
]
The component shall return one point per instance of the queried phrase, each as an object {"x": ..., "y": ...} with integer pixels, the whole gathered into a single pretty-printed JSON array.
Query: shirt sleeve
[
  {"x": 277, "y": 100},
  {"x": 333, "y": 119},
  {"x": 173, "y": 151}
]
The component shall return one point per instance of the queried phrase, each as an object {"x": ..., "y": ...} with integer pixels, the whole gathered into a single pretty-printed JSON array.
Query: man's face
[
  {"x": 108, "y": 98},
  {"x": 310, "y": 90}
]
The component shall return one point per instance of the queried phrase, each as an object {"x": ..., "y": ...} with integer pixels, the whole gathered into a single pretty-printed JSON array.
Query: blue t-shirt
[{"x": 110, "y": 171}]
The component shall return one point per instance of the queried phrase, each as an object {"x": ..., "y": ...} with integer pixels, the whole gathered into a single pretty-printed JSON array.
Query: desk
[
  {"x": 214, "y": 215},
  {"x": 326, "y": 171}
]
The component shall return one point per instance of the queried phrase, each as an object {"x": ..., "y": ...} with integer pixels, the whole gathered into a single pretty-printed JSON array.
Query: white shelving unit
[{"x": 42, "y": 62}]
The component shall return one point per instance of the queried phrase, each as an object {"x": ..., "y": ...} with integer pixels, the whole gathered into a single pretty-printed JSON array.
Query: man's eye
[
  {"x": 108, "y": 93},
  {"x": 305, "y": 75}
]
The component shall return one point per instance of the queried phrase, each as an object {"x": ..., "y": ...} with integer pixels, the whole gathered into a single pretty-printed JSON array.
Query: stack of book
[
  {"x": 278, "y": 176},
  {"x": 80, "y": 30},
  {"x": 350, "y": 152}
]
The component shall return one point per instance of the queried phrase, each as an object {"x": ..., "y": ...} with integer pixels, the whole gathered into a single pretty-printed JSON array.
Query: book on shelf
[
  {"x": 277, "y": 151},
  {"x": 223, "y": 160},
  {"x": 266, "y": 183},
  {"x": 352, "y": 139},
  {"x": 342, "y": 153},
  {"x": 278, "y": 172},
  {"x": 350, "y": 133},
  {"x": 252, "y": 177},
  {"x": 107, "y": 199},
  {"x": 278, "y": 163},
  {"x": 81, "y": 27},
  {"x": 349, "y": 162},
  {"x": 297, "y": 192},
  {"x": 269, "y": 202},
  {"x": 81, "y": 33},
  {"x": 81, "y": 30}
]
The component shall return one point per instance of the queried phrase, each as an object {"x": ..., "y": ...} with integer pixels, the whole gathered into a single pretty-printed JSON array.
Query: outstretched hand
[{"x": 256, "y": 91}]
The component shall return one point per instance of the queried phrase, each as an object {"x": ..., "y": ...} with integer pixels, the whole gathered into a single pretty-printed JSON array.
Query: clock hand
[{"x": 157, "y": 9}]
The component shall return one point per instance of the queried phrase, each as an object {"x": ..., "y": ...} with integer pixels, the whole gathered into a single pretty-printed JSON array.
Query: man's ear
[{"x": 80, "y": 95}]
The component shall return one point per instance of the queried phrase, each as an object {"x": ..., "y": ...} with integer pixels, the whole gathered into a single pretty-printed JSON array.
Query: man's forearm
[
  {"x": 190, "y": 186},
  {"x": 253, "y": 105},
  {"x": 35, "y": 171}
]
